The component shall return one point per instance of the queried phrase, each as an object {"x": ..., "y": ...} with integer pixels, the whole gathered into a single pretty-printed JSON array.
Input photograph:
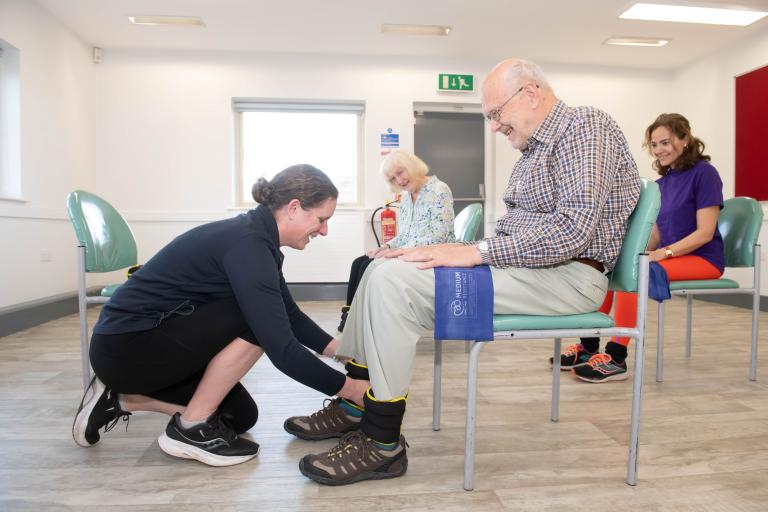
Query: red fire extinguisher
[{"x": 388, "y": 225}]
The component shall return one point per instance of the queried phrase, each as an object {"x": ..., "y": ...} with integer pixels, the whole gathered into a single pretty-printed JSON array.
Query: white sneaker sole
[
  {"x": 90, "y": 398},
  {"x": 184, "y": 451}
]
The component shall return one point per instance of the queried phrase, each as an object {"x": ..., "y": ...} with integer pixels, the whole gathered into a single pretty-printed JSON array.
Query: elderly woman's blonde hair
[{"x": 399, "y": 158}]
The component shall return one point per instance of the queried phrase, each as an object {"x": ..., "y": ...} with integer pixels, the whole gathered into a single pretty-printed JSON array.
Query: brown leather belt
[{"x": 592, "y": 263}]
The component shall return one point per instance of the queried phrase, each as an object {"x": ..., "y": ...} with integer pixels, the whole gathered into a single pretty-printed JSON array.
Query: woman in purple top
[{"x": 685, "y": 239}]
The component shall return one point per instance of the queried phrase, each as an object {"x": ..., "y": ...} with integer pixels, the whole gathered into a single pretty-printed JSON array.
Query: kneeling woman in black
[{"x": 179, "y": 335}]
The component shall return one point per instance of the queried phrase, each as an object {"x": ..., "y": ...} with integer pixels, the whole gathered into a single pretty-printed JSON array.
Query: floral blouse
[{"x": 428, "y": 221}]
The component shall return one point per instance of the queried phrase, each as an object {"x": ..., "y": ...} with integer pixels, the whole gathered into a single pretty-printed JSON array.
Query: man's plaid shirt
[{"x": 570, "y": 194}]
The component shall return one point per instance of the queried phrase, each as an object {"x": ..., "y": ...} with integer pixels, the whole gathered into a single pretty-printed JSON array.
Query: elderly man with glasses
[{"x": 568, "y": 201}]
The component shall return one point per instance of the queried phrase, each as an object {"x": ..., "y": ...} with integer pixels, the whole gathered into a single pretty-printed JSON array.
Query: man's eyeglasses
[{"x": 495, "y": 114}]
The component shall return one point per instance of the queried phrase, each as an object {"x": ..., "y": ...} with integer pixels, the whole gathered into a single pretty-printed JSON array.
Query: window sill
[{"x": 13, "y": 199}]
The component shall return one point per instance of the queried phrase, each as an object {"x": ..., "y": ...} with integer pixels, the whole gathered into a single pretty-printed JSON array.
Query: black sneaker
[
  {"x": 602, "y": 368},
  {"x": 344, "y": 312},
  {"x": 98, "y": 408},
  {"x": 212, "y": 442},
  {"x": 354, "y": 459},
  {"x": 573, "y": 357}
]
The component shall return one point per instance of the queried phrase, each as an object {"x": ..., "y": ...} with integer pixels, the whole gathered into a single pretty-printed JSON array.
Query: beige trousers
[{"x": 394, "y": 306}]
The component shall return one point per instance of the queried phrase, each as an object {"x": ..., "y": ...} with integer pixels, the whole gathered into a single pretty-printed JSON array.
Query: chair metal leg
[
  {"x": 82, "y": 306},
  {"x": 660, "y": 344},
  {"x": 637, "y": 384},
  {"x": 637, "y": 396},
  {"x": 755, "y": 315},
  {"x": 555, "y": 414},
  {"x": 436, "y": 387},
  {"x": 753, "y": 342},
  {"x": 469, "y": 436},
  {"x": 688, "y": 322}
]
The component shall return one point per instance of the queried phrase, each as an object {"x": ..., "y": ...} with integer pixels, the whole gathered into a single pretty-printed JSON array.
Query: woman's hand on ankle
[
  {"x": 330, "y": 351},
  {"x": 354, "y": 390}
]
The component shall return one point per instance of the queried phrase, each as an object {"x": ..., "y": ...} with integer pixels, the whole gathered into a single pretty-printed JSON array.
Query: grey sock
[{"x": 186, "y": 425}]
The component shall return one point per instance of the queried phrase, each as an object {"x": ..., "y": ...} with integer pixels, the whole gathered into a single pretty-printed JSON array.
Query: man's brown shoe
[
  {"x": 354, "y": 459},
  {"x": 330, "y": 421}
]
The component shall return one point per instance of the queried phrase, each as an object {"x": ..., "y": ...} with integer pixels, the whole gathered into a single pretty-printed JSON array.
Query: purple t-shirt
[{"x": 682, "y": 193}]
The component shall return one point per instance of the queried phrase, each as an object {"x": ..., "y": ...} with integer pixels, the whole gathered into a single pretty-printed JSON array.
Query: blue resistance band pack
[
  {"x": 463, "y": 303},
  {"x": 658, "y": 283}
]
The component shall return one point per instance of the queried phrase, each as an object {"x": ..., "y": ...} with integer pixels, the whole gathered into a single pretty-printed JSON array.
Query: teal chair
[
  {"x": 467, "y": 222},
  {"x": 105, "y": 244},
  {"x": 739, "y": 223},
  {"x": 630, "y": 275}
]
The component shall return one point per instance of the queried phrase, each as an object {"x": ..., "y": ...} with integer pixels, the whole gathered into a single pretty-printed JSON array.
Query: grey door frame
[{"x": 489, "y": 176}]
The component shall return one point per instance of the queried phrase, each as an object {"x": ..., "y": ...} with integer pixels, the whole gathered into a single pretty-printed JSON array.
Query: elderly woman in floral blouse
[{"x": 425, "y": 218}]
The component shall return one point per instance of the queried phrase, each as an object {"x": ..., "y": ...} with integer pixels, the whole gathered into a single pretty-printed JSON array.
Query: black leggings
[
  {"x": 355, "y": 275},
  {"x": 168, "y": 362}
]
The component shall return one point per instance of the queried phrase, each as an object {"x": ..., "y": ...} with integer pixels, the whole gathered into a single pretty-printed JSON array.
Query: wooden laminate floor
[{"x": 704, "y": 435}]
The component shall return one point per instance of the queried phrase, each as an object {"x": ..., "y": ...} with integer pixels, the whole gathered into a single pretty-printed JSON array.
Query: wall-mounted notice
[{"x": 389, "y": 140}]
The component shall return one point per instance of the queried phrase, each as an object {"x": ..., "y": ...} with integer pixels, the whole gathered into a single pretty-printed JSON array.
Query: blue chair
[
  {"x": 739, "y": 224},
  {"x": 467, "y": 222},
  {"x": 629, "y": 275},
  {"x": 105, "y": 244}
]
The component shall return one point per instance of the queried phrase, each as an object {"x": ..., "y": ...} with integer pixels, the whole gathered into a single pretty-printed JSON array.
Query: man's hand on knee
[{"x": 449, "y": 255}]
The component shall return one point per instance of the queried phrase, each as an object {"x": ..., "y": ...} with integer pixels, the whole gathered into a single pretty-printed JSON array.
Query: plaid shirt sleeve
[{"x": 569, "y": 194}]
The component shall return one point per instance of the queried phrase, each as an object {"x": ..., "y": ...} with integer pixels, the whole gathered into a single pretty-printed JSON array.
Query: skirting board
[
  {"x": 740, "y": 301},
  {"x": 29, "y": 314}
]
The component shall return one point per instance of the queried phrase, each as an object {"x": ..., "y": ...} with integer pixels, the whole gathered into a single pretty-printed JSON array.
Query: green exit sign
[{"x": 447, "y": 82}]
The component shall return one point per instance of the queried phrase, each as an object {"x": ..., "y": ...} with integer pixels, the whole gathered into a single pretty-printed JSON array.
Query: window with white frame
[
  {"x": 10, "y": 127},
  {"x": 273, "y": 135}
]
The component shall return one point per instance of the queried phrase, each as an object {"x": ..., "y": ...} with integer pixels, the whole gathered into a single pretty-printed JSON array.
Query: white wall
[
  {"x": 165, "y": 124},
  {"x": 56, "y": 152},
  {"x": 705, "y": 93},
  {"x": 152, "y": 132}
]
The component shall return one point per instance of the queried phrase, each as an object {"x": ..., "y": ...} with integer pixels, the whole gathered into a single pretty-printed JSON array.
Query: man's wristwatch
[
  {"x": 485, "y": 257},
  {"x": 668, "y": 252}
]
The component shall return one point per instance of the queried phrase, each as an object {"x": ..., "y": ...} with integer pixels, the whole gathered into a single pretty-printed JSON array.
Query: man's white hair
[{"x": 523, "y": 70}]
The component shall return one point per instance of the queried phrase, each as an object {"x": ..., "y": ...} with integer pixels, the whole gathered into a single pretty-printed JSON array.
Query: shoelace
[
  {"x": 598, "y": 359},
  {"x": 327, "y": 405},
  {"x": 124, "y": 415},
  {"x": 222, "y": 427},
  {"x": 354, "y": 444},
  {"x": 112, "y": 396},
  {"x": 330, "y": 408},
  {"x": 574, "y": 349}
]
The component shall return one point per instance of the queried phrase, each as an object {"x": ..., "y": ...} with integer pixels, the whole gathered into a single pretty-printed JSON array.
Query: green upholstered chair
[
  {"x": 467, "y": 222},
  {"x": 631, "y": 275},
  {"x": 739, "y": 223},
  {"x": 105, "y": 243}
]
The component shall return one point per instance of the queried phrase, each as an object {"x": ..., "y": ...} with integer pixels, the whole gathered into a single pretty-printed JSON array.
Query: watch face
[{"x": 483, "y": 246}]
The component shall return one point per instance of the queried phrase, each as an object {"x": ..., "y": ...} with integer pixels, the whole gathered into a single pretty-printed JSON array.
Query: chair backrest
[
  {"x": 626, "y": 272},
  {"x": 108, "y": 240},
  {"x": 467, "y": 222},
  {"x": 739, "y": 223}
]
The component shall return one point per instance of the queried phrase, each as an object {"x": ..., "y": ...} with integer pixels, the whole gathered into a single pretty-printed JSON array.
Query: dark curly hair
[
  {"x": 304, "y": 182},
  {"x": 693, "y": 150}
]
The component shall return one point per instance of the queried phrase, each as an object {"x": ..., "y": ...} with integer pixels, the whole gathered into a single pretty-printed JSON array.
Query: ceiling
[{"x": 554, "y": 31}]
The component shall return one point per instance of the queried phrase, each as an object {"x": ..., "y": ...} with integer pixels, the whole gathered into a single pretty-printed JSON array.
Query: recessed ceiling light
[
  {"x": 636, "y": 41},
  {"x": 187, "y": 21},
  {"x": 416, "y": 30},
  {"x": 692, "y": 14}
]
